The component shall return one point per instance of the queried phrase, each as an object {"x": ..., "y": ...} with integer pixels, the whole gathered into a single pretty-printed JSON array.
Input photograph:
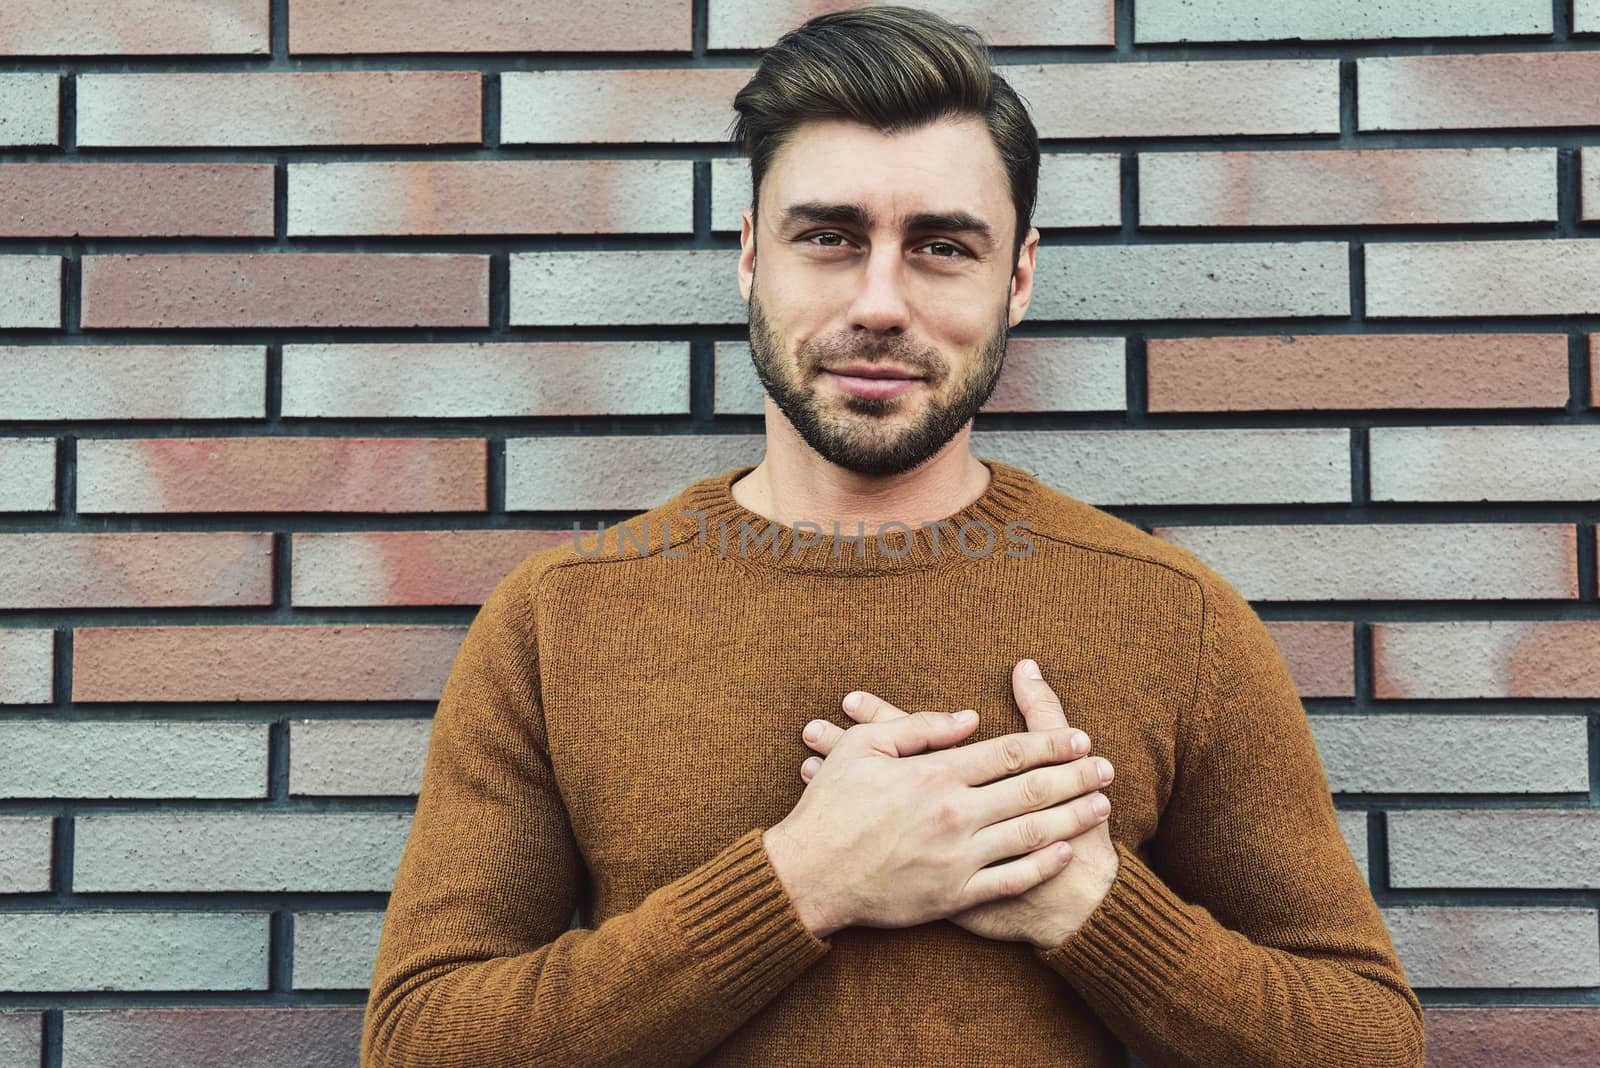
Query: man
[{"x": 622, "y": 730}]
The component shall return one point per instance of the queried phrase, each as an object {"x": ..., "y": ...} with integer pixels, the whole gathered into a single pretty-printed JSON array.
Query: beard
[{"x": 865, "y": 437}]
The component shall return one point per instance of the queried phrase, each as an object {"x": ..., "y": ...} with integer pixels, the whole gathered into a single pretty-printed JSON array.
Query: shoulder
[
  {"x": 1064, "y": 520},
  {"x": 591, "y": 549}
]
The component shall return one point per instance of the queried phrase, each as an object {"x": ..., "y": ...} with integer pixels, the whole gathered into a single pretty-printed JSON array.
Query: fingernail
[
  {"x": 1031, "y": 670},
  {"x": 810, "y": 733},
  {"x": 1080, "y": 742},
  {"x": 965, "y": 716},
  {"x": 852, "y": 700},
  {"x": 1105, "y": 769}
]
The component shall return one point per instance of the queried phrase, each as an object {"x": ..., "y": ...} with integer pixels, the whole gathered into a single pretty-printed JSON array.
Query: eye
[
  {"x": 957, "y": 250},
  {"x": 826, "y": 233}
]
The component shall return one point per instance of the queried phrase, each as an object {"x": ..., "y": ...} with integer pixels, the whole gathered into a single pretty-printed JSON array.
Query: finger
[
  {"x": 1016, "y": 876},
  {"x": 809, "y": 769},
  {"x": 821, "y": 735},
  {"x": 919, "y": 732},
  {"x": 1039, "y": 704},
  {"x": 864, "y": 707},
  {"x": 1009, "y": 754},
  {"x": 1040, "y": 788},
  {"x": 1035, "y": 830}
]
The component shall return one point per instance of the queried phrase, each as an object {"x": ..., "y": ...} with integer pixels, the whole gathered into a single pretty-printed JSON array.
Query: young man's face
[{"x": 872, "y": 251}]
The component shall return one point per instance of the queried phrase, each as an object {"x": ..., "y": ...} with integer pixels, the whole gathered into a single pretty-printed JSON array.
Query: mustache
[{"x": 927, "y": 361}]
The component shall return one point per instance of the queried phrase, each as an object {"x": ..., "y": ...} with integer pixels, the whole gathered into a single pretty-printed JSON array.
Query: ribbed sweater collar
[{"x": 968, "y": 534}]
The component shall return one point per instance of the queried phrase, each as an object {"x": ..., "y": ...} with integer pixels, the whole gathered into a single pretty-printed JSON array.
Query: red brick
[
  {"x": 1358, "y": 371},
  {"x": 285, "y": 289},
  {"x": 262, "y": 663},
  {"x": 136, "y": 199},
  {"x": 282, "y": 474},
  {"x": 66, "y": 570},
  {"x": 410, "y": 566},
  {"x": 338, "y": 26},
  {"x": 207, "y": 1038},
  {"x": 1594, "y": 370},
  {"x": 1320, "y": 655},
  {"x": 1501, "y": 1036},
  {"x": 133, "y": 27}
]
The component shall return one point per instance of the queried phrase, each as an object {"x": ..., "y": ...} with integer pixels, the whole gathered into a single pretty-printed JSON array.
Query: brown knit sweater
[{"x": 623, "y": 721}]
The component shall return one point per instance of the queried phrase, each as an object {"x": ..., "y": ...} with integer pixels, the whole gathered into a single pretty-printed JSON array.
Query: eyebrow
[{"x": 953, "y": 222}]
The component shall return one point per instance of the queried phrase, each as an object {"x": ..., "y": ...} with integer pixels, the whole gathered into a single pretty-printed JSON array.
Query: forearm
[
  {"x": 660, "y": 985},
  {"x": 1181, "y": 989}
]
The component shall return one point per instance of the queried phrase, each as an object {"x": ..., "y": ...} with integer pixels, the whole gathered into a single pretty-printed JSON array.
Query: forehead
[{"x": 949, "y": 164}]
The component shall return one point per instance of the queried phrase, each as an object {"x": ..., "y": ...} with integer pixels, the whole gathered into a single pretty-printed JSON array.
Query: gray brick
[
  {"x": 21, "y": 1038},
  {"x": 24, "y": 855},
  {"x": 187, "y": 851},
  {"x": 30, "y": 291},
  {"x": 1251, "y": 20},
  {"x": 29, "y": 109},
  {"x": 632, "y": 472},
  {"x": 59, "y": 382},
  {"x": 1116, "y": 467},
  {"x": 616, "y": 105},
  {"x": 411, "y": 380},
  {"x": 1453, "y": 754},
  {"x": 1496, "y": 947},
  {"x": 1078, "y": 189},
  {"x": 1534, "y": 849},
  {"x": 741, "y": 24},
  {"x": 1388, "y": 561},
  {"x": 358, "y": 757},
  {"x": 1485, "y": 463},
  {"x": 1353, "y": 826},
  {"x": 335, "y": 950},
  {"x": 1180, "y": 98},
  {"x": 1068, "y": 374},
  {"x": 1480, "y": 278},
  {"x": 27, "y": 656},
  {"x": 88, "y": 759},
  {"x": 1207, "y": 281},
  {"x": 123, "y": 950},
  {"x": 687, "y": 286}
]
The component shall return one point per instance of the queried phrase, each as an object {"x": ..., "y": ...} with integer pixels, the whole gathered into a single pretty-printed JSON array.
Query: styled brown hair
[{"x": 894, "y": 69}]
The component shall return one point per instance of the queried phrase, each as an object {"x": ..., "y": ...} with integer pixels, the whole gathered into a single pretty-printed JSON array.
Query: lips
[{"x": 872, "y": 370}]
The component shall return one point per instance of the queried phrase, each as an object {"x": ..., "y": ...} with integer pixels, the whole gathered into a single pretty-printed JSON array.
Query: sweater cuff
[
  {"x": 742, "y": 925},
  {"x": 1136, "y": 943}
]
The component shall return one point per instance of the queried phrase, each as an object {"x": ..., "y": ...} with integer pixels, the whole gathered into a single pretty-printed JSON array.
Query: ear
[
  {"x": 1022, "y": 276},
  {"x": 747, "y": 252}
]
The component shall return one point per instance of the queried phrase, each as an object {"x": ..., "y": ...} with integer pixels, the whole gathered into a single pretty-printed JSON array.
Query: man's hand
[
  {"x": 902, "y": 827},
  {"x": 1051, "y": 912}
]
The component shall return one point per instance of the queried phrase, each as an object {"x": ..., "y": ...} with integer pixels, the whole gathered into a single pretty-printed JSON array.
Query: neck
[{"x": 793, "y": 484}]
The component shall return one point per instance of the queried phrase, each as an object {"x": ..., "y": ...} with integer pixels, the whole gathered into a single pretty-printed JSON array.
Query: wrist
[{"x": 805, "y": 893}]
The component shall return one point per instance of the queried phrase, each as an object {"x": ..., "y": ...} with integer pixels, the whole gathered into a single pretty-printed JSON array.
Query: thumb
[{"x": 921, "y": 731}]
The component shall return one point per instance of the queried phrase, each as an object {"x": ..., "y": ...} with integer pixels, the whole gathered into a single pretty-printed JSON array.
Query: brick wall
[{"x": 316, "y": 317}]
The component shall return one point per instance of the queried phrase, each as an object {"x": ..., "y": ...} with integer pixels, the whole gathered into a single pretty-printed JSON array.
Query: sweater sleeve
[
  {"x": 1248, "y": 937},
  {"x": 476, "y": 963}
]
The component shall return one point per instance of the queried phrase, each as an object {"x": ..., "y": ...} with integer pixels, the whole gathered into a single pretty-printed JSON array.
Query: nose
[{"x": 880, "y": 305}]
